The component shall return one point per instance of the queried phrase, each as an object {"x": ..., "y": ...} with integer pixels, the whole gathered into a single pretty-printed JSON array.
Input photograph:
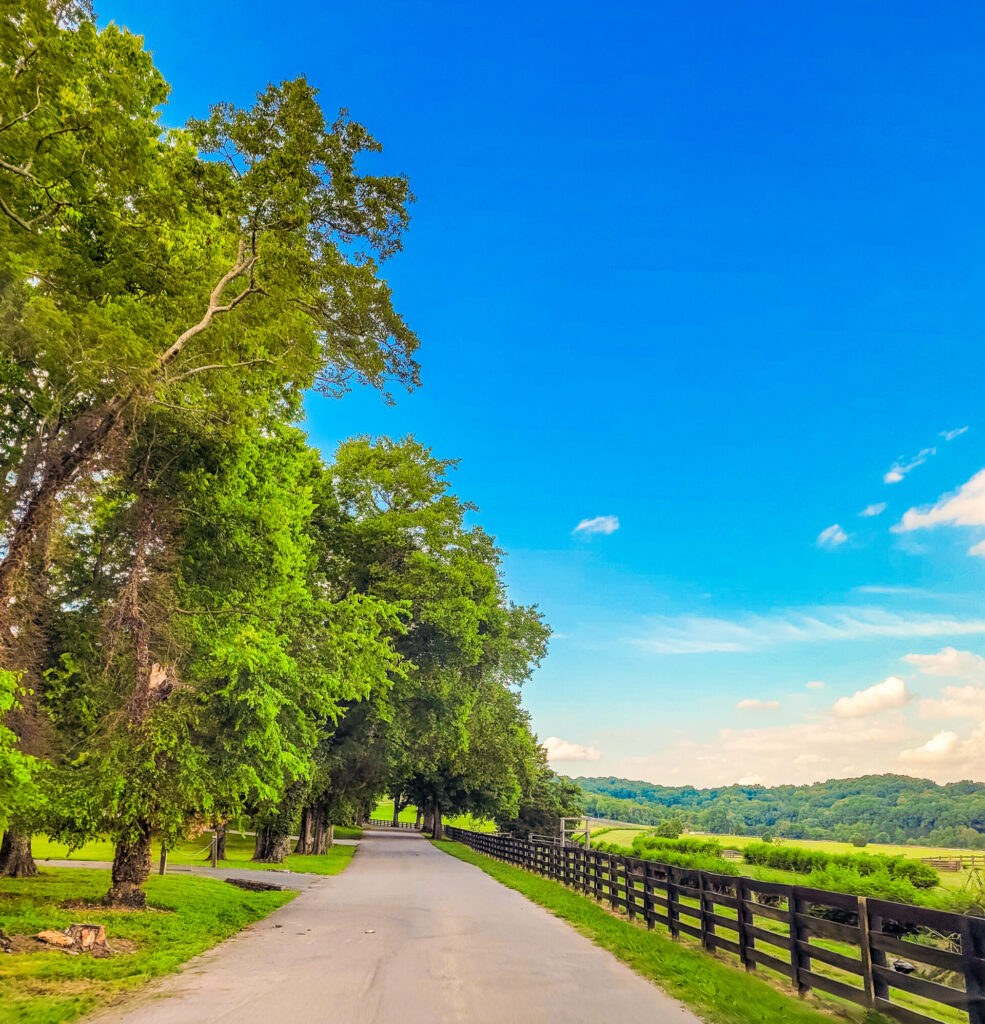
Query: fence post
[
  {"x": 798, "y": 959},
  {"x": 649, "y": 907},
  {"x": 865, "y": 941},
  {"x": 673, "y": 912},
  {"x": 630, "y": 890},
  {"x": 706, "y": 907},
  {"x": 744, "y": 915},
  {"x": 973, "y": 945}
]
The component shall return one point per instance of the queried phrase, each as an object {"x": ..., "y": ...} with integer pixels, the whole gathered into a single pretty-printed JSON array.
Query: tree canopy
[{"x": 202, "y": 618}]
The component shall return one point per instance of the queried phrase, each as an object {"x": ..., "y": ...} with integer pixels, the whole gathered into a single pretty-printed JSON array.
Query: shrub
[{"x": 795, "y": 858}]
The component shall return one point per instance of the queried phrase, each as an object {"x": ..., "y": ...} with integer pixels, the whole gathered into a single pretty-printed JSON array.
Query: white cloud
[
  {"x": 831, "y": 537},
  {"x": 697, "y": 634},
  {"x": 890, "y": 693},
  {"x": 950, "y": 663},
  {"x": 900, "y": 468},
  {"x": 940, "y": 747},
  {"x": 873, "y": 510},
  {"x": 600, "y": 524},
  {"x": 815, "y": 684},
  {"x": 753, "y": 704},
  {"x": 950, "y": 435},
  {"x": 750, "y": 780},
  {"x": 963, "y": 507},
  {"x": 966, "y": 702},
  {"x": 561, "y": 750}
]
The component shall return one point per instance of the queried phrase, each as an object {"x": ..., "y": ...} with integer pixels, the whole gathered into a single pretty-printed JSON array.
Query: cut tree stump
[
  {"x": 88, "y": 937},
  {"x": 78, "y": 938}
]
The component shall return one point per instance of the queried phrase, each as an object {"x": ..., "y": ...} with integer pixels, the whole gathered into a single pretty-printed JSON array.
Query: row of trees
[
  {"x": 873, "y": 808},
  {"x": 200, "y": 618}
]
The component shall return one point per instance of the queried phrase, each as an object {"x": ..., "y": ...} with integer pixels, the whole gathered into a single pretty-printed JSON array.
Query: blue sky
[{"x": 713, "y": 270}]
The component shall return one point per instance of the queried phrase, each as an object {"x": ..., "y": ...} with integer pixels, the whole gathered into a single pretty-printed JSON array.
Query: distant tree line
[{"x": 872, "y": 808}]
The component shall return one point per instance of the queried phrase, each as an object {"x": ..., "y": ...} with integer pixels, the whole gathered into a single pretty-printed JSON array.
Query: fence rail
[
  {"x": 959, "y": 862},
  {"x": 387, "y": 823},
  {"x": 905, "y": 961}
]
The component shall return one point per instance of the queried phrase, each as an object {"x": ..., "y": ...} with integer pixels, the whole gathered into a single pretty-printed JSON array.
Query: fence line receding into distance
[{"x": 905, "y": 961}]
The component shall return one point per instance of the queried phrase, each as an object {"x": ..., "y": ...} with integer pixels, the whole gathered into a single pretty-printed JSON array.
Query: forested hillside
[{"x": 878, "y": 808}]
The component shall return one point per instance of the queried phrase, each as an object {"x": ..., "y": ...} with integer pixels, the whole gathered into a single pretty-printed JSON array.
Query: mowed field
[
  {"x": 239, "y": 850},
  {"x": 384, "y": 809}
]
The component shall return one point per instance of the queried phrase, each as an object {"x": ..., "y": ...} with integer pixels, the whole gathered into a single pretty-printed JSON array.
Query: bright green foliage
[
  {"x": 795, "y": 858},
  {"x": 544, "y": 798},
  {"x": 454, "y": 732},
  {"x": 216, "y": 271},
  {"x": 16, "y": 787}
]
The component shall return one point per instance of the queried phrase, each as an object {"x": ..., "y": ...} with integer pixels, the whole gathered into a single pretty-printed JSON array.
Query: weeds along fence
[
  {"x": 387, "y": 823},
  {"x": 915, "y": 964}
]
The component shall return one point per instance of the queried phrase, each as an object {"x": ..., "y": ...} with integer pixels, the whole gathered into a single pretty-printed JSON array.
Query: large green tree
[{"x": 210, "y": 269}]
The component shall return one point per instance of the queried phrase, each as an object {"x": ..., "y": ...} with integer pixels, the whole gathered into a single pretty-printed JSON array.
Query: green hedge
[{"x": 805, "y": 862}]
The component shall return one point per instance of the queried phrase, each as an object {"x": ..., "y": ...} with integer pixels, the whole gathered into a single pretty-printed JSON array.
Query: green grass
[
  {"x": 239, "y": 850},
  {"x": 50, "y": 987},
  {"x": 708, "y": 985},
  {"x": 384, "y": 809}
]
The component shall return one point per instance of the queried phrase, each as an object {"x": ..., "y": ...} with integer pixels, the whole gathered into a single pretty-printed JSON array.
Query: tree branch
[
  {"x": 27, "y": 113},
  {"x": 214, "y": 308}
]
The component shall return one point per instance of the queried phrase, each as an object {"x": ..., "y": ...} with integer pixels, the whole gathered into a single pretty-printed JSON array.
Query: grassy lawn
[
  {"x": 49, "y": 987},
  {"x": 239, "y": 850},
  {"x": 384, "y": 809},
  {"x": 708, "y": 985}
]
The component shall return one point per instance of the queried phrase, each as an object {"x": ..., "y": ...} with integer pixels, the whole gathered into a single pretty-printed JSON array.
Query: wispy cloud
[
  {"x": 890, "y": 693},
  {"x": 873, "y": 510},
  {"x": 600, "y": 524},
  {"x": 950, "y": 435},
  {"x": 561, "y": 750},
  {"x": 963, "y": 507},
  {"x": 753, "y": 704},
  {"x": 883, "y": 588},
  {"x": 831, "y": 537},
  {"x": 815, "y": 684},
  {"x": 900, "y": 468},
  {"x": 695, "y": 634}
]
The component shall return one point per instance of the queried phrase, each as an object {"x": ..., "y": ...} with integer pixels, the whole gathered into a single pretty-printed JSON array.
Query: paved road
[{"x": 406, "y": 934}]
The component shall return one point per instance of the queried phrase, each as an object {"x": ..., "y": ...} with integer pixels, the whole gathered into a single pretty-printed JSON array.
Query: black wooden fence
[
  {"x": 905, "y": 961},
  {"x": 388, "y": 823}
]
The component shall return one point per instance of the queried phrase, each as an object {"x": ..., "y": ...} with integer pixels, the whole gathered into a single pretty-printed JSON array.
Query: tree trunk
[
  {"x": 306, "y": 840},
  {"x": 271, "y": 847},
  {"x": 16, "y": 860},
  {"x": 319, "y": 833},
  {"x": 428, "y": 816},
  {"x": 417, "y": 822},
  {"x": 437, "y": 832},
  {"x": 131, "y": 868},
  {"x": 396, "y": 810},
  {"x": 219, "y": 830}
]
